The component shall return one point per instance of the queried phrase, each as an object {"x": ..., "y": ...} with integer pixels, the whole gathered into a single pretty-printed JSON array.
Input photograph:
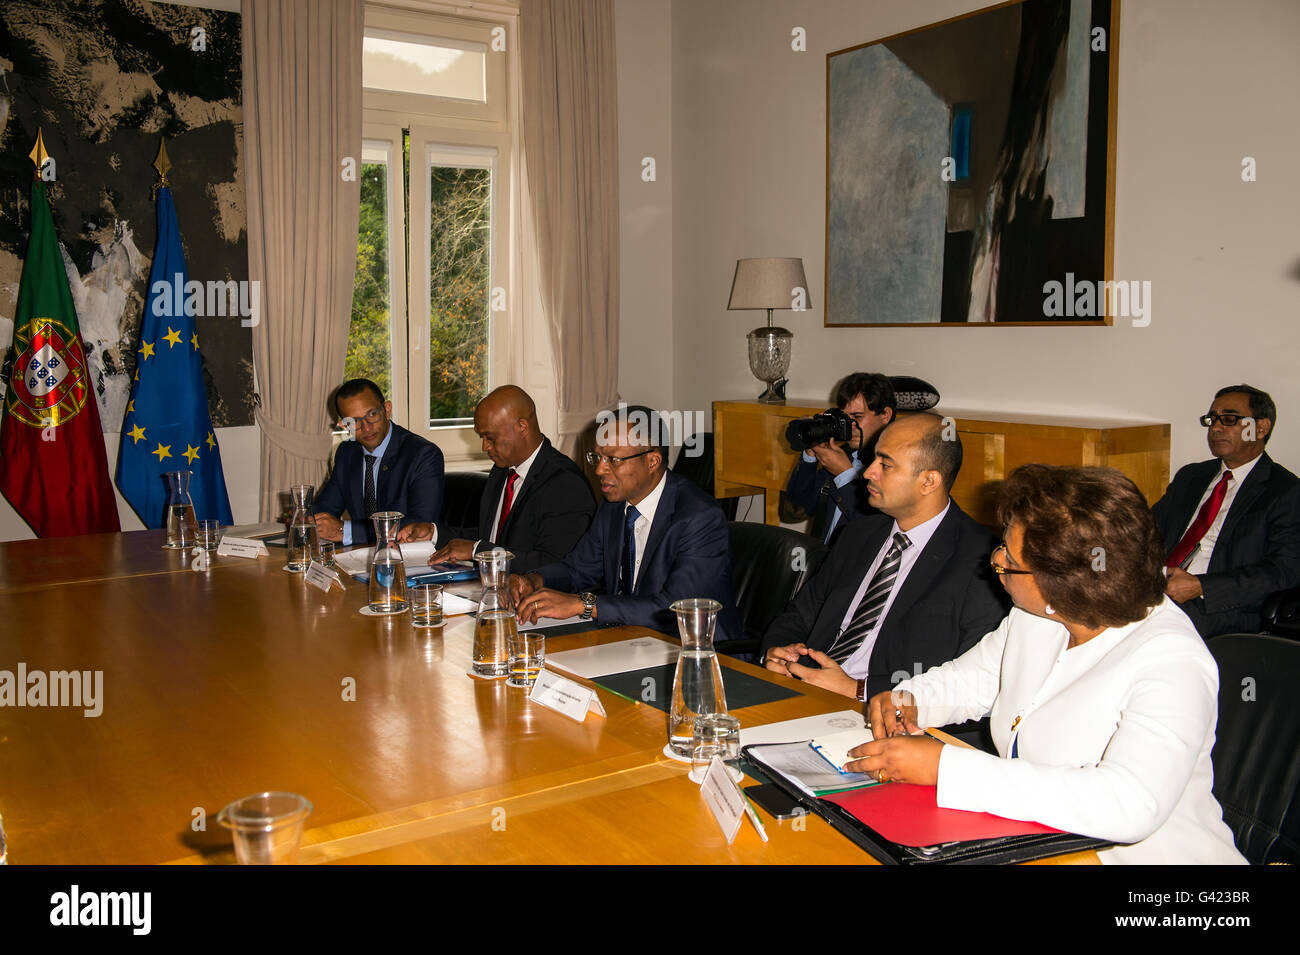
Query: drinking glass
[
  {"x": 209, "y": 535},
  {"x": 715, "y": 734},
  {"x": 426, "y": 605},
  {"x": 527, "y": 653}
]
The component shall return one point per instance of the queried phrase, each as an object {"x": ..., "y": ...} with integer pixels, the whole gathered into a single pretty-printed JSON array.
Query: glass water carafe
[
  {"x": 387, "y": 571},
  {"x": 495, "y": 624},
  {"x": 697, "y": 684},
  {"x": 303, "y": 542},
  {"x": 182, "y": 527}
]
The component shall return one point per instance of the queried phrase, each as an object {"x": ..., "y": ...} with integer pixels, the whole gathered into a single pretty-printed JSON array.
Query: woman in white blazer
[{"x": 1101, "y": 695}]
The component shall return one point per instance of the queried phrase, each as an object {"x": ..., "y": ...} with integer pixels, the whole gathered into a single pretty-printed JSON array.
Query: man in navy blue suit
[
  {"x": 1232, "y": 524},
  {"x": 656, "y": 539},
  {"x": 385, "y": 469}
]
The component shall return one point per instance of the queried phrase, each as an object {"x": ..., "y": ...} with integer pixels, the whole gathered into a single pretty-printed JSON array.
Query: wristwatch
[{"x": 588, "y": 604}]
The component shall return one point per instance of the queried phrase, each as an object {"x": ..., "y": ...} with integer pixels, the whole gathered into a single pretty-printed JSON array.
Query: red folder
[{"x": 910, "y": 816}]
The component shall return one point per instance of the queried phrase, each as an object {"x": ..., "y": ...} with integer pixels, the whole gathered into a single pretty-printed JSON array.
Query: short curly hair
[{"x": 1090, "y": 541}]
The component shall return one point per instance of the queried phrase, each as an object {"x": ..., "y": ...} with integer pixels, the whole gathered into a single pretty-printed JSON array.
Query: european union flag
[{"x": 167, "y": 426}]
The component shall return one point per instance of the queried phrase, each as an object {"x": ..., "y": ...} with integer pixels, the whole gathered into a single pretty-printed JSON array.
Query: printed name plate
[
  {"x": 241, "y": 547},
  {"x": 724, "y": 798},
  {"x": 564, "y": 696},
  {"x": 320, "y": 577}
]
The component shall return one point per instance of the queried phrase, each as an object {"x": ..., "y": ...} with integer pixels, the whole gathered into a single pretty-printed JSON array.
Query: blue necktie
[{"x": 630, "y": 517}]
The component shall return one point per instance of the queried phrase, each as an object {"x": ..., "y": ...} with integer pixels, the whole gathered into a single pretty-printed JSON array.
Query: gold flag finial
[
  {"x": 162, "y": 164},
  {"x": 38, "y": 154}
]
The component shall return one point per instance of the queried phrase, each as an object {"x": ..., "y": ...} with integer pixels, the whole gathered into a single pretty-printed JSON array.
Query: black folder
[{"x": 1005, "y": 850}]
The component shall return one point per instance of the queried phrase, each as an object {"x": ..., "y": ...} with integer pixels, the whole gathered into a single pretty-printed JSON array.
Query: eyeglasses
[
  {"x": 370, "y": 417},
  {"x": 1001, "y": 569},
  {"x": 1227, "y": 420},
  {"x": 594, "y": 459}
]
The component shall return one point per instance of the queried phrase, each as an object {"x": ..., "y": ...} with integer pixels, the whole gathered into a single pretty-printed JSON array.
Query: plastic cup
[{"x": 267, "y": 827}]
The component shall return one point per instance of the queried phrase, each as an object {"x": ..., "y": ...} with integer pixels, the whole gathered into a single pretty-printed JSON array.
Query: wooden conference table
[{"x": 231, "y": 681}]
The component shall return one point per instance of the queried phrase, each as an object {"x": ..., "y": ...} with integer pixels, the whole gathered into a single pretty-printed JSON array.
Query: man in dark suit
[
  {"x": 386, "y": 468},
  {"x": 825, "y": 482},
  {"x": 537, "y": 502},
  {"x": 903, "y": 590},
  {"x": 1232, "y": 525},
  {"x": 656, "y": 539}
]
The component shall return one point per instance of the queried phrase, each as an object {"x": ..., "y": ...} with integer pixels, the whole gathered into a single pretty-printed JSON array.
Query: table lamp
[{"x": 770, "y": 283}]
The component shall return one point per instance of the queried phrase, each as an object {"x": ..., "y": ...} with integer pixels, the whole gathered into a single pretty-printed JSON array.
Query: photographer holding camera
[{"x": 825, "y": 481}]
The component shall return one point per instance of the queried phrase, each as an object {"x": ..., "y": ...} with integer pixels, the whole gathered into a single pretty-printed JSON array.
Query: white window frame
[{"x": 444, "y": 125}]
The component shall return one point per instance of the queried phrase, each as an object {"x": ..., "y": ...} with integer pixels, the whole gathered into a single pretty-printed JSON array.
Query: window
[
  {"x": 402, "y": 63},
  {"x": 429, "y": 319}
]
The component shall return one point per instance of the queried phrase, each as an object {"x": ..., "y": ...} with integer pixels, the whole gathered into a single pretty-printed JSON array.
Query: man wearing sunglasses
[
  {"x": 1231, "y": 526},
  {"x": 385, "y": 468},
  {"x": 656, "y": 539}
]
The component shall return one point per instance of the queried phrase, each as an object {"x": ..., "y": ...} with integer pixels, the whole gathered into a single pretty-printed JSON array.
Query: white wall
[
  {"x": 645, "y": 352},
  {"x": 1201, "y": 84}
]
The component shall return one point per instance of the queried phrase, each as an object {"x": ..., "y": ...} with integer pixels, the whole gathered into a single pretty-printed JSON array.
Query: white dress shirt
[
  {"x": 522, "y": 471},
  {"x": 641, "y": 529},
  {"x": 1201, "y": 562},
  {"x": 857, "y": 665},
  {"x": 379, "y": 458},
  {"x": 1113, "y": 738}
]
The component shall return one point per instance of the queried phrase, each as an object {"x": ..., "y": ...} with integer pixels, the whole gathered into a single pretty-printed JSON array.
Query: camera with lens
[{"x": 831, "y": 425}]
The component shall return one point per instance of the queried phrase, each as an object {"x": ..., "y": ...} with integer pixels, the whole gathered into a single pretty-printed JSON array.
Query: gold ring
[{"x": 881, "y": 777}]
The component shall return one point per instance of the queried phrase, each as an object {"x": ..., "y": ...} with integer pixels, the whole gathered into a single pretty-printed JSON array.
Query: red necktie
[
  {"x": 510, "y": 497},
  {"x": 1209, "y": 510}
]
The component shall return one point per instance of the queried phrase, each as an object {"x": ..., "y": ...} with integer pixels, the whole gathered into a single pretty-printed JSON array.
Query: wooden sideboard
[{"x": 753, "y": 457}]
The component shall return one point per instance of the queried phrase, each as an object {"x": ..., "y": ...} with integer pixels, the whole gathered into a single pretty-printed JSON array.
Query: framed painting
[{"x": 970, "y": 171}]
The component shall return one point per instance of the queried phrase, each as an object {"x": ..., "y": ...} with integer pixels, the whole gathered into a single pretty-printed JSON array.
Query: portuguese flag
[{"x": 53, "y": 468}]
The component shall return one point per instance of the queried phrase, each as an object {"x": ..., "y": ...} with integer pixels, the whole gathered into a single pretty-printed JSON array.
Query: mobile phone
[{"x": 776, "y": 802}]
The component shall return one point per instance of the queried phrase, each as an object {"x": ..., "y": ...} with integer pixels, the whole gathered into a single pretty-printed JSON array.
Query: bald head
[{"x": 506, "y": 421}]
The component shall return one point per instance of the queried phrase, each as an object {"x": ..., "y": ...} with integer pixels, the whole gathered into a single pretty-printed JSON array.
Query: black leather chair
[
  {"x": 698, "y": 469},
  {"x": 1256, "y": 772},
  {"x": 1281, "y": 613},
  {"x": 768, "y": 566},
  {"x": 462, "y": 491}
]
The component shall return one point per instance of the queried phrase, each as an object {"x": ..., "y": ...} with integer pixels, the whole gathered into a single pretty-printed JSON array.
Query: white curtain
[
  {"x": 302, "y": 142},
  {"x": 570, "y": 142}
]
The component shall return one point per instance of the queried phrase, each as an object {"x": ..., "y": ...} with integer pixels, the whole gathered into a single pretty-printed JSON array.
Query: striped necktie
[{"x": 872, "y": 602}]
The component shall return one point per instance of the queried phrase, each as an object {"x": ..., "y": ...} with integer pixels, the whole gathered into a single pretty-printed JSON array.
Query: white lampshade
[{"x": 768, "y": 283}]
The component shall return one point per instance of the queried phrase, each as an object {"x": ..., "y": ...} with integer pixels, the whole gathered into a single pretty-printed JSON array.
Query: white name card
[
  {"x": 322, "y": 578},
  {"x": 241, "y": 547},
  {"x": 564, "y": 696},
  {"x": 724, "y": 798}
]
